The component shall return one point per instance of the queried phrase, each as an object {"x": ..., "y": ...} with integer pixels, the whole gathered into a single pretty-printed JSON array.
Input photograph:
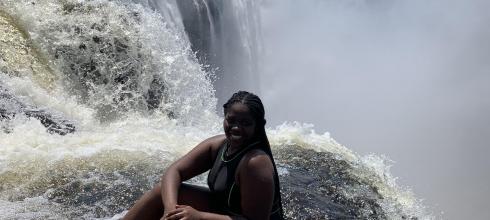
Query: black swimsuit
[{"x": 221, "y": 182}]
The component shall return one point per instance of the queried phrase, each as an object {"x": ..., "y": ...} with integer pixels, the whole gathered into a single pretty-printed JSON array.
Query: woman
[{"x": 243, "y": 181}]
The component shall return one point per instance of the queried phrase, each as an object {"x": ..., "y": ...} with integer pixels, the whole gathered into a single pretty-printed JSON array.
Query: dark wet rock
[
  {"x": 156, "y": 93},
  {"x": 53, "y": 123},
  {"x": 314, "y": 185},
  {"x": 10, "y": 107},
  {"x": 98, "y": 186},
  {"x": 106, "y": 69}
]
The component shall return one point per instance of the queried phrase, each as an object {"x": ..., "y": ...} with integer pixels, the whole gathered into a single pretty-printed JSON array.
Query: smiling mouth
[{"x": 235, "y": 136}]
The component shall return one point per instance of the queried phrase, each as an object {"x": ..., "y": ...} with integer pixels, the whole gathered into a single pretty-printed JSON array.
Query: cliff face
[
  {"x": 114, "y": 57},
  {"x": 225, "y": 36}
]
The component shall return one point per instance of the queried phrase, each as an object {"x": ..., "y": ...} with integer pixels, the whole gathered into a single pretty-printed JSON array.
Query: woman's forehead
[{"x": 239, "y": 109}]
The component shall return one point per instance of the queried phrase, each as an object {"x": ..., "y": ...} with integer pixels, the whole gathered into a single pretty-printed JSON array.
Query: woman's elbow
[{"x": 170, "y": 173}]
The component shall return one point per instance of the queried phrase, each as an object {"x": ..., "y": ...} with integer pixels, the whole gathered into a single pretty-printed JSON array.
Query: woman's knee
[{"x": 149, "y": 206}]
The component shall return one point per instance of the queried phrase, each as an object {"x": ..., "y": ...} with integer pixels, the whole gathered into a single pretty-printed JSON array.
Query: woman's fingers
[
  {"x": 174, "y": 217},
  {"x": 182, "y": 212},
  {"x": 174, "y": 214},
  {"x": 180, "y": 206}
]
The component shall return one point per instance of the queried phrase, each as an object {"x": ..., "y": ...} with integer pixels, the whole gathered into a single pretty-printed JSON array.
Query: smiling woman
[{"x": 243, "y": 180}]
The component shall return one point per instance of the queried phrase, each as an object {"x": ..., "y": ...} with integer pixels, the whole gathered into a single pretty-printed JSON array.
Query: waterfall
[
  {"x": 126, "y": 85},
  {"x": 225, "y": 36}
]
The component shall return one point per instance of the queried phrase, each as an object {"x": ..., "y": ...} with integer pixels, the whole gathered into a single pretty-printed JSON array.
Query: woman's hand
[{"x": 183, "y": 212}]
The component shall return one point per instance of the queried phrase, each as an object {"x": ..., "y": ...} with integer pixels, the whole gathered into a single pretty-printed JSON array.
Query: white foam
[{"x": 304, "y": 135}]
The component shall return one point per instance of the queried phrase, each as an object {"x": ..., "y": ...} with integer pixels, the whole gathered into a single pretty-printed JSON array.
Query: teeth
[{"x": 236, "y": 136}]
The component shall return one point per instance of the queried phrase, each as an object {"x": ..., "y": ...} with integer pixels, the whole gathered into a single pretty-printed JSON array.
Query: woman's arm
[
  {"x": 187, "y": 212},
  {"x": 256, "y": 182},
  {"x": 197, "y": 161}
]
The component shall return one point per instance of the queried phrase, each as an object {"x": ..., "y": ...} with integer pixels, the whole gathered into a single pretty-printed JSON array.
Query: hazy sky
[{"x": 406, "y": 78}]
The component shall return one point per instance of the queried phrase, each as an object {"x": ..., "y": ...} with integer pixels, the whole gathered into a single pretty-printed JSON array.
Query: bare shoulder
[
  {"x": 256, "y": 182},
  {"x": 214, "y": 143},
  {"x": 258, "y": 164},
  {"x": 199, "y": 159}
]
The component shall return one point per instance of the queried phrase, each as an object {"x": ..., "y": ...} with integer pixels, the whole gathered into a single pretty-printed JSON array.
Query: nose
[{"x": 235, "y": 126}]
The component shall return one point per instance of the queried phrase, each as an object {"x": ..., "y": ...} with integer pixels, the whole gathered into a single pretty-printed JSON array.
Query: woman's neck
[{"x": 234, "y": 148}]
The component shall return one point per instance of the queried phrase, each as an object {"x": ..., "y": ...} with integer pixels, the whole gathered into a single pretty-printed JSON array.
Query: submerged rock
[
  {"x": 314, "y": 185},
  {"x": 10, "y": 107},
  {"x": 104, "y": 59}
]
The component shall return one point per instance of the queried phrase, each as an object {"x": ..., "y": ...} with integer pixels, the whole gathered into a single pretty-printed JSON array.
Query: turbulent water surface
[{"x": 98, "y": 97}]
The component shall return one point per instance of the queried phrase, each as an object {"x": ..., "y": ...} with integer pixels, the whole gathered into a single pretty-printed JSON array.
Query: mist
[{"x": 405, "y": 79}]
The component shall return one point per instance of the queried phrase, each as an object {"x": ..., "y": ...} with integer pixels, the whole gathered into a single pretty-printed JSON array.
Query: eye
[
  {"x": 242, "y": 123},
  {"x": 246, "y": 123},
  {"x": 230, "y": 121}
]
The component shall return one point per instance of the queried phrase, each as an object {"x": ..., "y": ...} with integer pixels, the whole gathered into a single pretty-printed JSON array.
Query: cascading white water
[
  {"x": 225, "y": 35},
  {"x": 95, "y": 64},
  {"x": 240, "y": 46}
]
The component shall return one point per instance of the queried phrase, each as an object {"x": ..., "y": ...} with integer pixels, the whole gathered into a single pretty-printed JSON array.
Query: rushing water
[{"x": 98, "y": 97}]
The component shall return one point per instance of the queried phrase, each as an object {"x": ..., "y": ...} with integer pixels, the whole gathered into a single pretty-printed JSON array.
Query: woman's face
[{"x": 239, "y": 125}]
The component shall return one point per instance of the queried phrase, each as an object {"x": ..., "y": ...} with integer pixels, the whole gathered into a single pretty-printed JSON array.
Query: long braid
[{"x": 257, "y": 110}]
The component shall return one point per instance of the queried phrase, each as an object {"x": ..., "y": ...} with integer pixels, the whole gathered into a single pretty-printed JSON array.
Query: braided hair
[
  {"x": 255, "y": 107},
  {"x": 257, "y": 111}
]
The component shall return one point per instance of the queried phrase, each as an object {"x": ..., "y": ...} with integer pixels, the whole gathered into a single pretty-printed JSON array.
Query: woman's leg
[
  {"x": 198, "y": 197},
  {"x": 150, "y": 205}
]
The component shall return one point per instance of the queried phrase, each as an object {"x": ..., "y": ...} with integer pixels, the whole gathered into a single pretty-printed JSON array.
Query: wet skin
[{"x": 239, "y": 127}]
